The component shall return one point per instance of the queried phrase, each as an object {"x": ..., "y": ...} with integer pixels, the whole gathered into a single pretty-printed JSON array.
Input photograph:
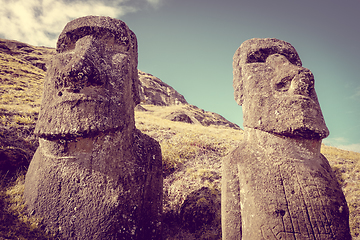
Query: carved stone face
[
  {"x": 92, "y": 84},
  {"x": 276, "y": 92}
]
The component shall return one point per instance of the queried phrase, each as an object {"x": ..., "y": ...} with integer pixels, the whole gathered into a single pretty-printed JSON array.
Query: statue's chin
[
  {"x": 299, "y": 126},
  {"x": 70, "y": 134},
  {"x": 297, "y": 117},
  {"x": 304, "y": 132},
  {"x": 304, "y": 122},
  {"x": 82, "y": 119},
  {"x": 75, "y": 130}
]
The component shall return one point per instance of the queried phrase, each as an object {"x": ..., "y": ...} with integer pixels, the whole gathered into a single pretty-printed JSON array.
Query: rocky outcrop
[
  {"x": 37, "y": 56},
  {"x": 188, "y": 114},
  {"x": 194, "y": 115},
  {"x": 156, "y": 92}
]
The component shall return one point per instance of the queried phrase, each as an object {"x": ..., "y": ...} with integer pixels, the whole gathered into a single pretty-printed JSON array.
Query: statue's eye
[{"x": 284, "y": 84}]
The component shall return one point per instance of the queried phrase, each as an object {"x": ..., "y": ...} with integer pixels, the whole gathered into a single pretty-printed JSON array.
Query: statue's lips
[
  {"x": 78, "y": 115},
  {"x": 304, "y": 99},
  {"x": 298, "y": 99},
  {"x": 76, "y": 99},
  {"x": 301, "y": 105}
]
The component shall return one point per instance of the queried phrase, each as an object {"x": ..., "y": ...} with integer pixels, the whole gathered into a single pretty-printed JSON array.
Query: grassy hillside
[
  {"x": 192, "y": 154},
  {"x": 346, "y": 165},
  {"x": 196, "y": 151},
  {"x": 22, "y": 70}
]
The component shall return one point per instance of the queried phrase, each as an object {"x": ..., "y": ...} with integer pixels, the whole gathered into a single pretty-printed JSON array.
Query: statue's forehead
[
  {"x": 258, "y": 49},
  {"x": 94, "y": 25}
]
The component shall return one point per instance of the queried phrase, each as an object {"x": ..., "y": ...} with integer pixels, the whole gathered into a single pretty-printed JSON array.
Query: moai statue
[
  {"x": 276, "y": 183},
  {"x": 94, "y": 175}
]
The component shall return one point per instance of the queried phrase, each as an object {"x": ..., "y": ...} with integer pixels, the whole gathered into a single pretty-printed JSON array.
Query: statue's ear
[
  {"x": 237, "y": 80},
  {"x": 238, "y": 87},
  {"x": 135, "y": 74},
  {"x": 136, "y": 87}
]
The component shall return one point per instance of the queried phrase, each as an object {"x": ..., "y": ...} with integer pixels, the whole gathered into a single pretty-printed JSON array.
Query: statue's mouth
[
  {"x": 309, "y": 102},
  {"x": 75, "y": 101},
  {"x": 87, "y": 94},
  {"x": 78, "y": 116},
  {"x": 298, "y": 99},
  {"x": 300, "y": 106},
  {"x": 301, "y": 98}
]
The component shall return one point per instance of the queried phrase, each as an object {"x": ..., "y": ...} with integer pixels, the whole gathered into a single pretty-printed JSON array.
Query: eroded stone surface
[
  {"x": 276, "y": 93},
  {"x": 92, "y": 82},
  {"x": 277, "y": 184},
  {"x": 94, "y": 175}
]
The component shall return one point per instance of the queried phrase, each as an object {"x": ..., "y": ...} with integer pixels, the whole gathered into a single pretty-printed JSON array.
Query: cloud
[
  {"x": 356, "y": 95},
  {"x": 334, "y": 140},
  {"x": 342, "y": 143},
  {"x": 351, "y": 147},
  {"x": 154, "y": 3},
  {"x": 39, "y": 22}
]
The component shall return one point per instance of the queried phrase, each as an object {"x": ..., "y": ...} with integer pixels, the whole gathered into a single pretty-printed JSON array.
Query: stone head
[
  {"x": 92, "y": 82},
  {"x": 277, "y": 94}
]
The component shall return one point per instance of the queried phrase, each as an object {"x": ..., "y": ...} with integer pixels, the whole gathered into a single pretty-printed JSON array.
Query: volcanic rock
[
  {"x": 277, "y": 184},
  {"x": 94, "y": 175}
]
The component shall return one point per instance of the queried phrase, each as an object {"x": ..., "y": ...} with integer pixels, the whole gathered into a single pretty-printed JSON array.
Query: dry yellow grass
[
  {"x": 182, "y": 142},
  {"x": 346, "y": 165},
  {"x": 21, "y": 82},
  {"x": 21, "y": 86},
  {"x": 152, "y": 120}
]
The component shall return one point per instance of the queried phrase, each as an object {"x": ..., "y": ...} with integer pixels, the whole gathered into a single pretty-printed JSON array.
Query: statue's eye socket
[
  {"x": 284, "y": 84},
  {"x": 257, "y": 56},
  {"x": 260, "y": 55},
  {"x": 67, "y": 47}
]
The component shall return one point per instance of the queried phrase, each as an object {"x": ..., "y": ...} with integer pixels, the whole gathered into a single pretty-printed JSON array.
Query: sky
[{"x": 189, "y": 44}]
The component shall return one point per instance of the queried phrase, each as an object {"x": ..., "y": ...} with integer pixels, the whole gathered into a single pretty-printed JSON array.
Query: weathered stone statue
[
  {"x": 94, "y": 175},
  {"x": 277, "y": 184}
]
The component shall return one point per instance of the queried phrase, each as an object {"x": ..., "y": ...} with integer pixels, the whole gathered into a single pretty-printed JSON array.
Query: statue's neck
[{"x": 276, "y": 145}]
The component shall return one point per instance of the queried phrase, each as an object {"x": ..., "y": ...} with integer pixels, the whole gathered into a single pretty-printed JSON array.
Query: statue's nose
[
  {"x": 81, "y": 70},
  {"x": 303, "y": 82},
  {"x": 289, "y": 77}
]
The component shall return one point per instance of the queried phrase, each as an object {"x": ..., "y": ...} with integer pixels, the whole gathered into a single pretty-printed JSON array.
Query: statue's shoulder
[
  {"x": 244, "y": 153},
  {"x": 142, "y": 140},
  {"x": 146, "y": 148}
]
